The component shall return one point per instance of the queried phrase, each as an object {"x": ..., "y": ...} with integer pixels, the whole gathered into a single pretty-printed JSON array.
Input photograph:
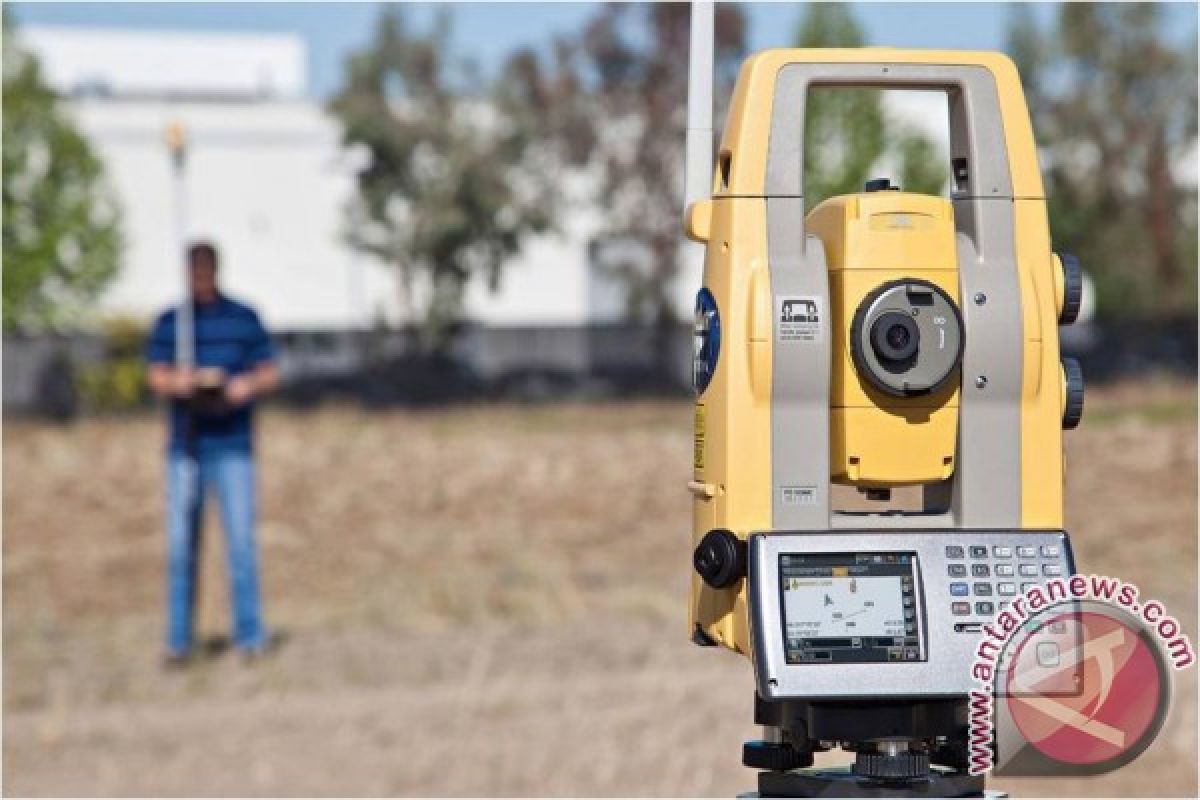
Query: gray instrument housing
[
  {"x": 948, "y": 653},
  {"x": 987, "y": 480},
  {"x": 985, "y": 507}
]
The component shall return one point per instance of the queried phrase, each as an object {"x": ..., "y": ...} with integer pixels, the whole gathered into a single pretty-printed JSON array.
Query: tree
[
  {"x": 846, "y": 131},
  {"x": 61, "y": 232},
  {"x": 618, "y": 115},
  {"x": 1114, "y": 109},
  {"x": 448, "y": 189}
]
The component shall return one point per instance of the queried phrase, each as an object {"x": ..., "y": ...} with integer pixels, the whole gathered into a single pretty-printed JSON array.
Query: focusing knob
[
  {"x": 1073, "y": 409},
  {"x": 906, "y": 765},
  {"x": 1072, "y": 288},
  {"x": 720, "y": 558}
]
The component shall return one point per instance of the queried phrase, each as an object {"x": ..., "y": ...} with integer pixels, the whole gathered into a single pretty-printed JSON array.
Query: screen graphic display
[{"x": 849, "y": 607}]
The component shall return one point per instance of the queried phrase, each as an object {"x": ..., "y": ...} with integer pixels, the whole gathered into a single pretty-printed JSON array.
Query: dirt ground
[{"x": 480, "y": 601}]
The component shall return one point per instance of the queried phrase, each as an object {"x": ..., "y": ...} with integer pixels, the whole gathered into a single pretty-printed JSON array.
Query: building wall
[
  {"x": 265, "y": 180},
  {"x": 130, "y": 63},
  {"x": 269, "y": 182}
]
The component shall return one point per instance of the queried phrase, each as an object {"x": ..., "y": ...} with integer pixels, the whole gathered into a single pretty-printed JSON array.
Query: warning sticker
[
  {"x": 698, "y": 438},
  {"x": 798, "y": 495},
  {"x": 799, "y": 319}
]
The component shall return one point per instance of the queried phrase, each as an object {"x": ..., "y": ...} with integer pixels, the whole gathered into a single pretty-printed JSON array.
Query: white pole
[
  {"x": 699, "y": 164},
  {"x": 185, "y": 352}
]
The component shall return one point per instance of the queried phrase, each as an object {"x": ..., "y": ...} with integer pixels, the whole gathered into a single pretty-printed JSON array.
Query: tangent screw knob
[
  {"x": 1073, "y": 408},
  {"x": 1072, "y": 288}
]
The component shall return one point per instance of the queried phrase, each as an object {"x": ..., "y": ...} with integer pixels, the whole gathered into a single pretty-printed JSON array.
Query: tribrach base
[{"x": 841, "y": 782}]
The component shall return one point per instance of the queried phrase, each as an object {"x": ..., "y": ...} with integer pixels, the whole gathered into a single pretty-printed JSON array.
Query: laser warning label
[
  {"x": 798, "y": 495},
  {"x": 799, "y": 319}
]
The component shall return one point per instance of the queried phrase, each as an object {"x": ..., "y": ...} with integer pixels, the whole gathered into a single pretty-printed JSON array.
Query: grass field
[{"x": 480, "y": 601}]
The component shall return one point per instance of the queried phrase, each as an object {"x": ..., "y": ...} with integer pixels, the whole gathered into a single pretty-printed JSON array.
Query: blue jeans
[{"x": 230, "y": 473}]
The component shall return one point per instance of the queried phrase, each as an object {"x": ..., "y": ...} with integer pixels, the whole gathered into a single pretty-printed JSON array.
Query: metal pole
[
  {"x": 185, "y": 329},
  {"x": 698, "y": 173},
  {"x": 185, "y": 347}
]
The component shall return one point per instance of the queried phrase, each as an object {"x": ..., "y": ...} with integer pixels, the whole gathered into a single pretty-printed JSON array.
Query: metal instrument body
[
  {"x": 785, "y": 410},
  {"x": 943, "y": 642},
  {"x": 879, "y": 386}
]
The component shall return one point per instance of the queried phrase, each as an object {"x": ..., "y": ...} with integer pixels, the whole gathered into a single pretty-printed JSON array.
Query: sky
[{"x": 489, "y": 31}]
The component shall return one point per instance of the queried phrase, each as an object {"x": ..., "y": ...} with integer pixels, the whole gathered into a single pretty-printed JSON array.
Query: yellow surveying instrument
[{"x": 878, "y": 457}]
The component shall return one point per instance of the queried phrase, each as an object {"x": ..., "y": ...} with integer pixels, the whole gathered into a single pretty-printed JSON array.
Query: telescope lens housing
[
  {"x": 906, "y": 338},
  {"x": 895, "y": 338}
]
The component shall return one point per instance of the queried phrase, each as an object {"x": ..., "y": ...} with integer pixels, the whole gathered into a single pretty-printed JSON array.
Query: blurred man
[{"x": 211, "y": 447}]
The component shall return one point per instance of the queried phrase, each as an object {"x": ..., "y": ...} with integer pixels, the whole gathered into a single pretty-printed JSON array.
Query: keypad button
[
  {"x": 983, "y": 589},
  {"x": 959, "y": 589},
  {"x": 1051, "y": 570},
  {"x": 1004, "y": 604},
  {"x": 980, "y": 571},
  {"x": 1025, "y": 587},
  {"x": 984, "y": 608},
  {"x": 1004, "y": 570},
  {"x": 957, "y": 570},
  {"x": 1002, "y": 552},
  {"x": 1006, "y": 588},
  {"x": 960, "y": 609},
  {"x": 954, "y": 551},
  {"x": 1050, "y": 551},
  {"x": 979, "y": 551},
  {"x": 1028, "y": 570},
  {"x": 1027, "y": 552}
]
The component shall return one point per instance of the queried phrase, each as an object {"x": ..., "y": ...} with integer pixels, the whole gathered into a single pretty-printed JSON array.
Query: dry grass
[{"x": 483, "y": 601}]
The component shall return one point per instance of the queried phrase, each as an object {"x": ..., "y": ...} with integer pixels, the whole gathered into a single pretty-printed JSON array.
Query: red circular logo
[{"x": 1086, "y": 688}]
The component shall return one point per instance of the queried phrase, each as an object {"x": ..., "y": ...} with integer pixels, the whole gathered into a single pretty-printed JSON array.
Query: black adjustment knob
[
  {"x": 907, "y": 765},
  {"x": 775, "y": 756},
  {"x": 880, "y": 185},
  {"x": 720, "y": 558},
  {"x": 1073, "y": 412},
  {"x": 1072, "y": 288}
]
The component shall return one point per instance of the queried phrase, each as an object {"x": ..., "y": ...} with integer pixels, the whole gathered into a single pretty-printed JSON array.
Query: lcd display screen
[{"x": 850, "y": 607}]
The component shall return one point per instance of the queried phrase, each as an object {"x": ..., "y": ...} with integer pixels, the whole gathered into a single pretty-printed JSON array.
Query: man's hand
[
  {"x": 182, "y": 382},
  {"x": 241, "y": 389},
  {"x": 166, "y": 381}
]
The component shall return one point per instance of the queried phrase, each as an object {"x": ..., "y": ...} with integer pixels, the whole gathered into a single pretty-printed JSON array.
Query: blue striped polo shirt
[{"x": 229, "y": 335}]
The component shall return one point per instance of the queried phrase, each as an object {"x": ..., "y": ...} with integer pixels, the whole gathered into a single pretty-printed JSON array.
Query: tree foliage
[
  {"x": 615, "y": 99},
  {"x": 449, "y": 186},
  {"x": 1114, "y": 109},
  {"x": 847, "y": 131},
  {"x": 634, "y": 62},
  {"x": 61, "y": 232}
]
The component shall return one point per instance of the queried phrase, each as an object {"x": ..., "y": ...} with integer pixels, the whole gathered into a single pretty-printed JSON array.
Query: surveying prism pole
[
  {"x": 185, "y": 351},
  {"x": 699, "y": 154},
  {"x": 185, "y": 331}
]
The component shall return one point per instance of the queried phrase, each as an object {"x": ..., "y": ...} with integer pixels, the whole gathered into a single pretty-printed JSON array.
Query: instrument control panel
[{"x": 856, "y": 614}]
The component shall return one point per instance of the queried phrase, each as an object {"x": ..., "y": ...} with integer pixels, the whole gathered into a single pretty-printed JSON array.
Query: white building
[{"x": 268, "y": 181}]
